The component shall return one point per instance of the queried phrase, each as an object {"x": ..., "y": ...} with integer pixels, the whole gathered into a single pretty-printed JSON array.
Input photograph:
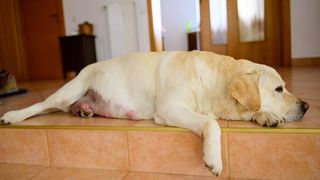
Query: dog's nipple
[{"x": 131, "y": 114}]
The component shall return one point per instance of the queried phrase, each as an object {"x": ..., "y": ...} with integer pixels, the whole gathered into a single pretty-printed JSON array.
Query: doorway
[
  {"x": 42, "y": 24},
  {"x": 258, "y": 30}
]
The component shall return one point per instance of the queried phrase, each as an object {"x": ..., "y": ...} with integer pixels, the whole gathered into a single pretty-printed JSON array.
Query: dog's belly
[
  {"x": 120, "y": 88},
  {"x": 92, "y": 103}
]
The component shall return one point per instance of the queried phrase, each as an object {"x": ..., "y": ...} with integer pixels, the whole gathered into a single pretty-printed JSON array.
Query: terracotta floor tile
[
  {"x": 26, "y": 146},
  {"x": 311, "y": 94},
  {"x": 19, "y": 171},
  {"x": 41, "y": 85},
  {"x": 151, "y": 123},
  {"x": 63, "y": 118},
  {"x": 274, "y": 156},
  {"x": 158, "y": 176},
  {"x": 145, "y": 123},
  {"x": 302, "y": 81},
  {"x": 60, "y": 173},
  {"x": 47, "y": 92},
  {"x": 310, "y": 120},
  {"x": 88, "y": 149},
  {"x": 243, "y": 124},
  {"x": 223, "y": 123},
  {"x": 19, "y": 101},
  {"x": 169, "y": 152}
]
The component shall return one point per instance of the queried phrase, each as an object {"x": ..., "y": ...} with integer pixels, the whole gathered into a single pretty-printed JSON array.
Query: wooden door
[
  {"x": 268, "y": 45},
  {"x": 12, "y": 57},
  {"x": 42, "y": 24}
]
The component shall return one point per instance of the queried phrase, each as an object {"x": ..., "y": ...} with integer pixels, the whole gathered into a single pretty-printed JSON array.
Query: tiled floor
[
  {"x": 35, "y": 172},
  {"x": 244, "y": 155},
  {"x": 100, "y": 148}
]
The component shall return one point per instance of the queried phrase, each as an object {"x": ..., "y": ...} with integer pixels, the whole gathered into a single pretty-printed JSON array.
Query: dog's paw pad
[
  {"x": 3, "y": 123},
  {"x": 11, "y": 117},
  {"x": 271, "y": 123},
  {"x": 267, "y": 119},
  {"x": 215, "y": 170}
]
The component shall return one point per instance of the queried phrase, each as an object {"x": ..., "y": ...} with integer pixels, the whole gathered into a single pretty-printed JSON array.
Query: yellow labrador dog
[{"x": 191, "y": 90}]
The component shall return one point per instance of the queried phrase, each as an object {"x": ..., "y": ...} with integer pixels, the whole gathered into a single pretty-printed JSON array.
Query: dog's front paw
[
  {"x": 11, "y": 117},
  {"x": 214, "y": 164},
  {"x": 267, "y": 119}
]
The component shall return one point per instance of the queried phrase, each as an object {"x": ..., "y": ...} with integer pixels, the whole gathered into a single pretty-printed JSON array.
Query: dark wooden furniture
[
  {"x": 77, "y": 52},
  {"x": 193, "y": 41}
]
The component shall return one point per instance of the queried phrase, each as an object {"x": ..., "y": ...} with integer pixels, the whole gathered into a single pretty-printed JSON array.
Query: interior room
[{"x": 45, "y": 44}]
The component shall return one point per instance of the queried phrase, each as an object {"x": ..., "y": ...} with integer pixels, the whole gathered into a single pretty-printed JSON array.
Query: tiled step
[
  {"x": 60, "y": 146},
  {"x": 142, "y": 146},
  {"x": 36, "y": 172}
]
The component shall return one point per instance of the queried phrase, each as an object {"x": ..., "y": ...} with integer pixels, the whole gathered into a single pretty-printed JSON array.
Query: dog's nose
[{"x": 304, "y": 106}]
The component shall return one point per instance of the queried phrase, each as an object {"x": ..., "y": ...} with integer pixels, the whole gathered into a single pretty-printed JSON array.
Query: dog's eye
[{"x": 279, "y": 89}]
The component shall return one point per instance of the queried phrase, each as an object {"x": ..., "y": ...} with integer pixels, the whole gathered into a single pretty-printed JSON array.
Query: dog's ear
[{"x": 244, "y": 88}]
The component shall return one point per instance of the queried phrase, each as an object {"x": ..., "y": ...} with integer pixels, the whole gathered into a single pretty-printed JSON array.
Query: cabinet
[
  {"x": 193, "y": 41},
  {"x": 77, "y": 52}
]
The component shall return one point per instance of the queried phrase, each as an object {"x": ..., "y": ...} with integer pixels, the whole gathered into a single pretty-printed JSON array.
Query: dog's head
[{"x": 262, "y": 90}]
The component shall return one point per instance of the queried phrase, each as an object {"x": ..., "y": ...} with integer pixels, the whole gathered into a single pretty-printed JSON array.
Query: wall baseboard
[{"x": 313, "y": 61}]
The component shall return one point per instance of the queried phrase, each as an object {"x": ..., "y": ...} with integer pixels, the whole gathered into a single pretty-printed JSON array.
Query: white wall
[
  {"x": 175, "y": 14},
  {"x": 305, "y": 24},
  {"x": 305, "y": 28},
  {"x": 93, "y": 11}
]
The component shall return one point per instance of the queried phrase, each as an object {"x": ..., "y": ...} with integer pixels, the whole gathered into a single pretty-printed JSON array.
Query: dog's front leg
[
  {"x": 181, "y": 116},
  {"x": 212, "y": 146}
]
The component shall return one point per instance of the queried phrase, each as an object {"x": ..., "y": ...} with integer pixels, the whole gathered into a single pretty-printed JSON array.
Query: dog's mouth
[{"x": 297, "y": 113}]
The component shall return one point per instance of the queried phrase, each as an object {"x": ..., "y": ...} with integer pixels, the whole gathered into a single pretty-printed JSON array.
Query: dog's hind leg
[{"x": 60, "y": 100}]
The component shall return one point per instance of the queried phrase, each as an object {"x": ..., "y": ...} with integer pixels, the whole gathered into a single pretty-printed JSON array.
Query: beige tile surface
[
  {"x": 88, "y": 149},
  {"x": 63, "y": 118},
  {"x": 19, "y": 101},
  {"x": 159, "y": 176},
  {"x": 301, "y": 81},
  {"x": 169, "y": 152},
  {"x": 35, "y": 172},
  {"x": 24, "y": 146},
  {"x": 274, "y": 156},
  {"x": 54, "y": 173},
  {"x": 310, "y": 120},
  {"x": 19, "y": 171},
  {"x": 145, "y": 123},
  {"x": 41, "y": 85}
]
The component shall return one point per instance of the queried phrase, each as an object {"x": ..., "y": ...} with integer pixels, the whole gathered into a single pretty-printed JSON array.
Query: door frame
[
  {"x": 205, "y": 30},
  {"x": 154, "y": 20},
  {"x": 285, "y": 31}
]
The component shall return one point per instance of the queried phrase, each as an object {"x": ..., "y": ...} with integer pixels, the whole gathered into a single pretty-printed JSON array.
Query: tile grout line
[
  {"x": 228, "y": 156},
  {"x": 128, "y": 151},
  {"x": 47, "y": 144},
  {"x": 228, "y": 160},
  {"x": 38, "y": 173},
  {"x": 174, "y": 174},
  {"x": 125, "y": 176}
]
